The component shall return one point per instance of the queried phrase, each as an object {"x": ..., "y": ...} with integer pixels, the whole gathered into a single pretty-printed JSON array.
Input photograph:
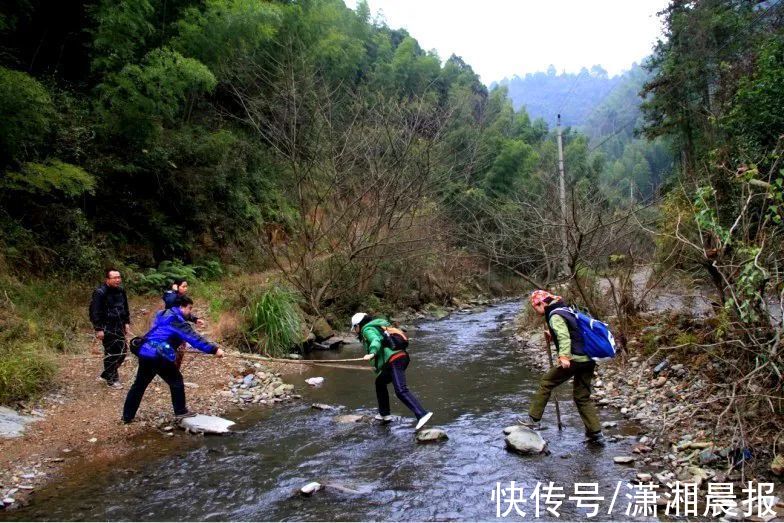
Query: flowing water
[{"x": 464, "y": 368}]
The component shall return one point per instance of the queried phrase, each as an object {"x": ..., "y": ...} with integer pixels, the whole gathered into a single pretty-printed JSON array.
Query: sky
[{"x": 502, "y": 38}]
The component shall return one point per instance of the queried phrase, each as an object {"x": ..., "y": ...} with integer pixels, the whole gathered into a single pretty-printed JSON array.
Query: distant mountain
[{"x": 575, "y": 96}]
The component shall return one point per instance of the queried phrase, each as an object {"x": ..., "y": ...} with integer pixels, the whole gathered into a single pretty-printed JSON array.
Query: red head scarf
[{"x": 544, "y": 297}]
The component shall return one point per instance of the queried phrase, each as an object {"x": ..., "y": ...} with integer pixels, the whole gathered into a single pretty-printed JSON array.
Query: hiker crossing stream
[{"x": 464, "y": 368}]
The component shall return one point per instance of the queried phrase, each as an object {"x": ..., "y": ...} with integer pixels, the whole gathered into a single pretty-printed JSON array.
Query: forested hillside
[{"x": 574, "y": 95}]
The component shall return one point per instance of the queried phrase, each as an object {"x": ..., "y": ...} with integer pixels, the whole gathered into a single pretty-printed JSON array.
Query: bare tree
[{"x": 362, "y": 168}]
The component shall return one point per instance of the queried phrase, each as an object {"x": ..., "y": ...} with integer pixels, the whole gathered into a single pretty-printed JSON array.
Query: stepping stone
[
  {"x": 310, "y": 488},
  {"x": 525, "y": 441},
  {"x": 202, "y": 423},
  {"x": 430, "y": 435},
  {"x": 624, "y": 460},
  {"x": 349, "y": 418}
]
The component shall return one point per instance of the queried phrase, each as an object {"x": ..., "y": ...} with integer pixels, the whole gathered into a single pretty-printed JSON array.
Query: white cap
[{"x": 356, "y": 319}]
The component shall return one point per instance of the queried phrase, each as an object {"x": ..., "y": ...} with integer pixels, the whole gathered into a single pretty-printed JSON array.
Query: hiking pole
[{"x": 555, "y": 394}]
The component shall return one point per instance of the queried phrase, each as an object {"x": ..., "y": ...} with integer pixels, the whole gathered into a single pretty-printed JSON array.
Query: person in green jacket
[
  {"x": 572, "y": 362},
  {"x": 390, "y": 366}
]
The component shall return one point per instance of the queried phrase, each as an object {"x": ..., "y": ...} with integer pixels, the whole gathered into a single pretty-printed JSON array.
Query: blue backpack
[{"x": 599, "y": 341}]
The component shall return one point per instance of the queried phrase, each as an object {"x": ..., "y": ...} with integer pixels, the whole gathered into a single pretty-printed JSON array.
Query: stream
[{"x": 464, "y": 368}]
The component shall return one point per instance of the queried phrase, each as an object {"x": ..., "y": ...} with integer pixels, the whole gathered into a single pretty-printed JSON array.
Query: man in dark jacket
[
  {"x": 157, "y": 355},
  {"x": 111, "y": 317}
]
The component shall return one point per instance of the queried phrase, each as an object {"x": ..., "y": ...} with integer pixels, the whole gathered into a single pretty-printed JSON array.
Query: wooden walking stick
[{"x": 555, "y": 394}]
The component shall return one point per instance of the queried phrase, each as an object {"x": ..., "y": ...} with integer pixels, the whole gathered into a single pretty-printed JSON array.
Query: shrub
[
  {"x": 25, "y": 371},
  {"x": 274, "y": 321}
]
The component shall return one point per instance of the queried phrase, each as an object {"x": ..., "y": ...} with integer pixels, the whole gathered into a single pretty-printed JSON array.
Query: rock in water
[
  {"x": 624, "y": 460},
  {"x": 206, "y": 424},
  {"x": 315, "y": 381},
  {"x": 323, "y": 406},
  {"x": 429, "y": 435},
  {"x": 512, "y": 428},
  {"x": 310, "y": 488},
  {"x": 525, "y": 441},
  {"x": 349, "y": 418}
]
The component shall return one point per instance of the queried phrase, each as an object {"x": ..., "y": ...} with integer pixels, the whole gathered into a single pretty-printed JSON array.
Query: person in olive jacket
[
  {"x": 390, "y": 366},
  {"x": 111, "y": 317}
]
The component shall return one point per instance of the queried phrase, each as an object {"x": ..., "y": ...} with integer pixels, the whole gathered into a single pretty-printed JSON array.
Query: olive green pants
[{"x": 581, "y": 392}]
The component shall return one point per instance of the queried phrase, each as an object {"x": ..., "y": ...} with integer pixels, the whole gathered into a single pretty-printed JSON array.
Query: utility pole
[{"x": 564, "y": 240}]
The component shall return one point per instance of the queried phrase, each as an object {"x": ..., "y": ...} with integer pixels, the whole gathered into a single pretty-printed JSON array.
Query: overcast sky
[{"x": 501, "y": 38}]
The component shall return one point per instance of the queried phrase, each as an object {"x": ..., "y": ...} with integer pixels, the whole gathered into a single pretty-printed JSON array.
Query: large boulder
[
  {"x": 322, "y": 329},
  {"x": 525, "y": 441}
]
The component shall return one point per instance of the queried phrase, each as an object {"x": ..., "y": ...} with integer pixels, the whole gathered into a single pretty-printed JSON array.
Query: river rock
[
  {"x": 323, "y": 406},
  {"x": 322, "y": 329},
  {"x": 609, "y": 424},
  {"x": 624, "y": 460},
  {"x": 349, "y": 418},
  {"x": 202, "y": 423},
  {"x": 644, "y": 477},
  {"x": 430, "y": 435},
  {"x": 310, "y": 488},
  {"x": 294, "y": 356},
  {"x": 525, "y": 441},
  {"x": 315, "y": 382}
]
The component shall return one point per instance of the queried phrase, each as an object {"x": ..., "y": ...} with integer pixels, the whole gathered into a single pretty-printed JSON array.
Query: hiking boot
[
  {"x": 180, "y": 417},
  {"x": 594, "y": 437},
  {"x": 530, "y": 423},
  {"x": 424, "y": 419},
  {"x": 383, "y": 419},
  {"x": 115, "y": 384}
]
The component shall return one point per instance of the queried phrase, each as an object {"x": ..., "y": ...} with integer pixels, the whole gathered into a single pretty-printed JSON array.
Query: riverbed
[{"x": 464, "y": 368}]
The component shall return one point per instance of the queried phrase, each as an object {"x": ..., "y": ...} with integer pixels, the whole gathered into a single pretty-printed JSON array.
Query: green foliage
[
  {"x": 27, "y": 113},
  {"x": 225, "y": 32},
  {"x": 156, "y": 280},
  {"x": 139, "y": 99},
  {"x": 54, "y": 176},
  {"x": 122, "y": 29},
  {"x": 274, "y": 321},
  {"x": 24, "y": 372},
  {"x": 756, "y": 114}
]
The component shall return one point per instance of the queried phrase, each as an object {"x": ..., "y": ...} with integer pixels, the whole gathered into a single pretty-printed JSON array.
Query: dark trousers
[
  {"x": 148, "y": 369},
  {"x": 581, "y": 392},
  {"x": 395, "y": 373},
  {"x": 114, "y": 351}
]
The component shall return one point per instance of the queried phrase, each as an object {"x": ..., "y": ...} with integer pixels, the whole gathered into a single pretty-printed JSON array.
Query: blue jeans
[{"x": 395, "y": 373}]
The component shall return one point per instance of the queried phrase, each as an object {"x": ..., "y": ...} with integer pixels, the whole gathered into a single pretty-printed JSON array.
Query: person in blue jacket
[
  {"x": 157, "y": 354},
  {"x": 178, "y": 290}
]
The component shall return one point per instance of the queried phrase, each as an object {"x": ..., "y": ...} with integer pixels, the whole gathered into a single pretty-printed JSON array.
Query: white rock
[
  {"x": 206, "y": 424},
  {"x": 609, "y": 424},
  {"x": 428, "y": 435},
  {"x": 644, "y": 477},
  {"x": 315, "y": 381},
  {"x": 624, "y": 459},
  {"x": 310, "y": 488},
  {"x": 525, "y": 441}
]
